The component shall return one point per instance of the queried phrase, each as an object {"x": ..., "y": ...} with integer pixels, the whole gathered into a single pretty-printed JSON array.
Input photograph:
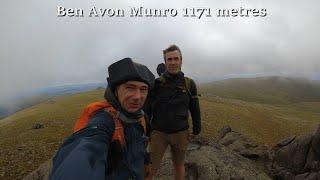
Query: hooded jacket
[{"x": 84, "y": 155}]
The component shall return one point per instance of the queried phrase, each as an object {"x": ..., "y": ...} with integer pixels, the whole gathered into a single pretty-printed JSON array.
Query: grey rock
[
  {"x": 313, "y": 157},
  {"x": 223, "y": 131},
  {"x": 37, "y": 126},
  {"x": 316, "y": 142},
  {"x": 205, "y": 162},
  {"x": 293, "y": 156},
  {"x": 235, "y": 157},
  {"x": 285, "y": 142},
  {"x": 313, "y": 161},
  {"x": 308, "y": 176},
  {"x": 245, "y": 147},
  {"x": 42, "y": 173},
  {"x": 298, "y": 156},
  {"x": 213, "y": 161}
]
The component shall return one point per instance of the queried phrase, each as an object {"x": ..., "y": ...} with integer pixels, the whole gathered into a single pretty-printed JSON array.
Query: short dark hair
[{"x": 172, "y": 47}]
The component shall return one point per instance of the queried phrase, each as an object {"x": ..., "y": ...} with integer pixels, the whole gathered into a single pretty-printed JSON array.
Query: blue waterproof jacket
[{"x": 83, "y": 155}]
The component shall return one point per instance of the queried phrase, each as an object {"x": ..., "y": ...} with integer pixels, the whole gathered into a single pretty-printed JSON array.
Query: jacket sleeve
[
  {"x": 83, "y": 155},
  {"x": 194, "y": 108}
]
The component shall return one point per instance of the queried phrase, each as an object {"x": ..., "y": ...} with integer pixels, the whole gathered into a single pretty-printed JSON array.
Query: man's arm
[
  {"x": 194, "y": 108},
  {"x": 147, "y": 108},
  {"x": 149, "y": 104},
  {"x": 83, "y": 155}
]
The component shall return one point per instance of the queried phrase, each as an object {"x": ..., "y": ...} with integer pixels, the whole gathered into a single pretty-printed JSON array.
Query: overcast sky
[{"x": 39, "y": 49}]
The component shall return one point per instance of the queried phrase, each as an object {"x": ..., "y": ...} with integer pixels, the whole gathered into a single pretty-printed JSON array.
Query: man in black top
[{"x": 173, "y": 97}]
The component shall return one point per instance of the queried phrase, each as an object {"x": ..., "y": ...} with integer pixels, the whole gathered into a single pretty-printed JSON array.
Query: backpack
[{"x": 93, "y": 108}]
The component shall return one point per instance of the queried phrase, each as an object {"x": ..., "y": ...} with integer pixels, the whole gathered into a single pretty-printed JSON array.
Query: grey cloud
[{"x": 38, "y": 49}]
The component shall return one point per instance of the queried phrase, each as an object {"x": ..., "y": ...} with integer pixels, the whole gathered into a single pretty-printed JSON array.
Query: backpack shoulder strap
[
  {"x": 118, "y": 133},
  {"x": 88, "y": 113},
  {"x": 187, "y": 82},
  {"x": 143, "y": 123},
  {"x": 162, "y": 81}
]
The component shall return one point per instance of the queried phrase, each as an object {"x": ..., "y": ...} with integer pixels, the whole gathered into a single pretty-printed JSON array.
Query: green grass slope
[
  {"x": 266, "y": 90},
  {"x": 23, "y": 149},
  {"x": 266, "y": 109},
  {"x": 263, "y": 123}
]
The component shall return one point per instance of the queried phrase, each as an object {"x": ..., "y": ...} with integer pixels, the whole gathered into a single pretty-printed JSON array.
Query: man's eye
[
  {"x": 130, "y": 88},
  {"x": 144, "y": 90}
]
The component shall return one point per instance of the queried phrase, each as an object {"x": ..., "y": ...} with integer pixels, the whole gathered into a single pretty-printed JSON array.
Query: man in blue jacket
[{"x": 91, "y": 152}]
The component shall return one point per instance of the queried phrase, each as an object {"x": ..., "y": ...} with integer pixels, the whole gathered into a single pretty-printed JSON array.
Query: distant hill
[
  {"x": 29, "y": 99},
  {"x": 3, "y": 112},
  {"x": 268, "y": 90},
  {"x": 15, "y": 105},
  {"x": 68, "y": 89}
]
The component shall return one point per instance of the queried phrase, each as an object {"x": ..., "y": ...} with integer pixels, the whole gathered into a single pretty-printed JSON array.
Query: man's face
[
  {"x": 132, "y": 95},
  {"x": 173, "y": 62}
]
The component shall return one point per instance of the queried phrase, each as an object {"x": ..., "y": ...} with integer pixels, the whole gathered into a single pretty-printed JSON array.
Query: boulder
[
  {"x": 223, "y": 131},
  {"x": 212, "y": 161},
  {"x": 297, "y": 157},
  {"x": 243, "y": 145},
  {"x": 42, "y": 173},
  {"x": 293, "y": 156},
  {"x": 37, "y": 126}
]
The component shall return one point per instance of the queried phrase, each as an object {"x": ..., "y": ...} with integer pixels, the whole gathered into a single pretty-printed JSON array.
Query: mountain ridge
[
  {"x": 267, "y": 90},
  {"x": 29, "y": 99}
]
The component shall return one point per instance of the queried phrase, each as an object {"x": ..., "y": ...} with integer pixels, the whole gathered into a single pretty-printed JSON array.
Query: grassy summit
[{"x": 266, "y": 113}]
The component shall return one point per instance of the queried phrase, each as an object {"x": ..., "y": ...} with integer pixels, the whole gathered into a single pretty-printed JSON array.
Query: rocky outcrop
[
  {"x": 37, "y": 126},
  {"x": 213, "y": 161},
  {"x": 243, "y": 145},
  {"x": 42, "y": 173},
  {"x": 233, "y": 156},
  {"x": 297, "y": 157}
]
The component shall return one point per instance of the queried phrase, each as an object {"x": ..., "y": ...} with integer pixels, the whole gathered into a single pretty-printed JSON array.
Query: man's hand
[{"x": 147, "y": 171}]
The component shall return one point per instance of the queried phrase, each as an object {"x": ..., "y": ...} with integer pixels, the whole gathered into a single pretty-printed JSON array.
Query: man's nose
[{"x": 137, "y": 94}]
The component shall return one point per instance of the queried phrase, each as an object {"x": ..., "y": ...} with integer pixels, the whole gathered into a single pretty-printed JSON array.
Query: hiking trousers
[{"x": 178, "y": 143}]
